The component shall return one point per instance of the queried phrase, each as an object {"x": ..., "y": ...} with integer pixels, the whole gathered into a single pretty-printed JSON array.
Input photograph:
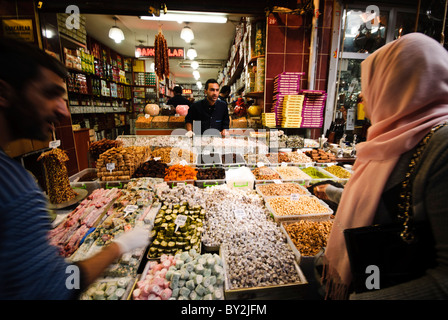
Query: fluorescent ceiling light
[
  {"x": 199, "y": 84},
  {"x": 182, "y": 16}
]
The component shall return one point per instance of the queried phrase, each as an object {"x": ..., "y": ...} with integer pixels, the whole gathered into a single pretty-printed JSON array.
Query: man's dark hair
[
  {"x": 208, "y": 82},
  {"x": 177, "y": 90},
  {"x": 225, "y": 89},
  {"x": 20, "y": 62}
]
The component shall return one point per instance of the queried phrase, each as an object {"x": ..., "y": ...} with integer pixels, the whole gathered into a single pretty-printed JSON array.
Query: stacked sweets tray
[
  {"x": 292, "y": 111},
  {"x": 313, "y": 108},
  {"x": 268, "y": 119},
  {"x": 285, "y": 84}
]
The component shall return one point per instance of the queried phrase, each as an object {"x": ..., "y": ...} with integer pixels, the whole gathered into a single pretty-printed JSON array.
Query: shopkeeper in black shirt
[
  {"x": 178, "y": 99},
  {"x": 209, "y": 113}
]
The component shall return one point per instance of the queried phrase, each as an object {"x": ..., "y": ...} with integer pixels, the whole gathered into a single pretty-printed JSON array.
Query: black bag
[
  {"x": 382, "y": 246},
  {"x": 402, "y": 251}
]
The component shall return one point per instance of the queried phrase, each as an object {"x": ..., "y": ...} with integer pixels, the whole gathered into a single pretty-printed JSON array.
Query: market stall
[{"x": 205, "y": 211}]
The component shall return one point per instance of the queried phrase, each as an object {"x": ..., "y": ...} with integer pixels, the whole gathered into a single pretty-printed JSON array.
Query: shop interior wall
[
  {"x": 288, "y": 40},
  {"x": 64, "y": 130},
  {"x": 25, "y": 150}
]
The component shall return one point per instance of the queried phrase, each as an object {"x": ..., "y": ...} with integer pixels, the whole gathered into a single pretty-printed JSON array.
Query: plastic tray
[
  {"x": 257, "y": 188},
  {"x": 276, "y": 292},
  {"x": 282, "y": 227},
  {"x": 213, "y": 156},
  {"x": 240, "y": 183},
  {"x": 315, "y": 180},
  {"x": 179, "y": 182},
  {"x": 304, "y": 180},
  {"x": 75, "y": 178},
  {"x": 209, "y": 183},
  {"x": 342, "y": 181},
  {"x": 240, "y": 163},
  {"x": 285, "y": 218}
]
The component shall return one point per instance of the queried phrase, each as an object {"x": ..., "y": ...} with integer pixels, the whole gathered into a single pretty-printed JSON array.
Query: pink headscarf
[{"x": 405, "y": 90}]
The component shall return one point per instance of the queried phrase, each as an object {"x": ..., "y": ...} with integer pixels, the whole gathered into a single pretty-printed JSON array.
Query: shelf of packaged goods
[{"x": 237, "y": 73}]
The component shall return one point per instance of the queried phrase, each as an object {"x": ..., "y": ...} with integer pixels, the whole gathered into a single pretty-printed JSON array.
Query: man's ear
[{"x": 6, "y": 93}]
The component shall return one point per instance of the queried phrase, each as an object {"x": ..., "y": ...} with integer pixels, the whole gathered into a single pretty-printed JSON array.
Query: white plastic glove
[{"x": 130, "y": 240}]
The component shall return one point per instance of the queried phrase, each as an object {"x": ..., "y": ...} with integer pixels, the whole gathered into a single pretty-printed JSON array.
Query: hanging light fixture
[
  {"x": 187, "y": 34},
  {"x": 191, "y": 53},
  {"x": 194, "y": 64},
  {"x": 199, "y": 85},
  {"x": 116, "y": 33},
  {"x": 196, "y": 75}
]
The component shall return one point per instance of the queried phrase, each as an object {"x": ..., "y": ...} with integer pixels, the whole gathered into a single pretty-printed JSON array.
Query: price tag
[
  {"x": 180, "y": 221},
  {"x": 260, "y": 164},
  {"x": 295, "y": 196},
  {"x": 206, "y": 152},
  {"x": 277, "y": 181},
  {"x": 129, "y": 209},
  {"x": 183, "y": 163},
  {"x": 110, "y": 166},
  {"x": 54, "y": 144},
  {"x": 157, "y": 158},
  {"x": 239, "y": 214},
  {"x": 284, "y": 164},
  {"x": 147, "y": 116}
]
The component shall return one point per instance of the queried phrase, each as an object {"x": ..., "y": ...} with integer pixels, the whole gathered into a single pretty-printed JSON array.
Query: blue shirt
[
  {"x": 30, "y": 268},
  {"x": 210, "y": 117}
]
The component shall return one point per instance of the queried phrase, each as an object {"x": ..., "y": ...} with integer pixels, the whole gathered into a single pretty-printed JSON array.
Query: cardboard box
[{"x": 19, "y": 147}]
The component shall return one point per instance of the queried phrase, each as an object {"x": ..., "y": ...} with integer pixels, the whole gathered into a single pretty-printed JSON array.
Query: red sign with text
[{"x": 149, "y": 52}]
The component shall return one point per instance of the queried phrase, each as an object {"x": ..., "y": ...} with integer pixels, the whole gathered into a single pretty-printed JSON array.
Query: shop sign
[
  {"x": 19, "y": 29},
  {"x": 187, "y": 91},
  {"x": 149, "y": 52}
]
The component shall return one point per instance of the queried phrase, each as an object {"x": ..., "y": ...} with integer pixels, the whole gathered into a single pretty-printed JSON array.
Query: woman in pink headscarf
[{"x": 405, "y": 90}]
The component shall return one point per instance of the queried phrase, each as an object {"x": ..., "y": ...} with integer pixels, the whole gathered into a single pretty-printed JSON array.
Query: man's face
[
  {"x": 41, "y": 105},
  {"x": 212, "y": 92}
]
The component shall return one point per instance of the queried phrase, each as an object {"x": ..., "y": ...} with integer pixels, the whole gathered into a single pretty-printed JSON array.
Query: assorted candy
[{"x": 58, "y": 183}]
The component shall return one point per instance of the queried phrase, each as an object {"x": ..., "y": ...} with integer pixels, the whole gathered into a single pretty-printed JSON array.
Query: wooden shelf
[
  {"x": 237, "y": 72},
  {"x": 254, "y": 59},
  {"x": 257, "y": 94}
]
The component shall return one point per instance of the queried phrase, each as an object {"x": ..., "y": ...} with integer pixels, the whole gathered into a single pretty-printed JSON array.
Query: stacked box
[
  {"x": 313, "y": 108},
  {"x": 268, "y": 119},
  {"x": 125, "y": 161},
  {"x": 285, "y": 83},
  {"x": 259, "y": 76},
  {"x": 292, "y": 111}
]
